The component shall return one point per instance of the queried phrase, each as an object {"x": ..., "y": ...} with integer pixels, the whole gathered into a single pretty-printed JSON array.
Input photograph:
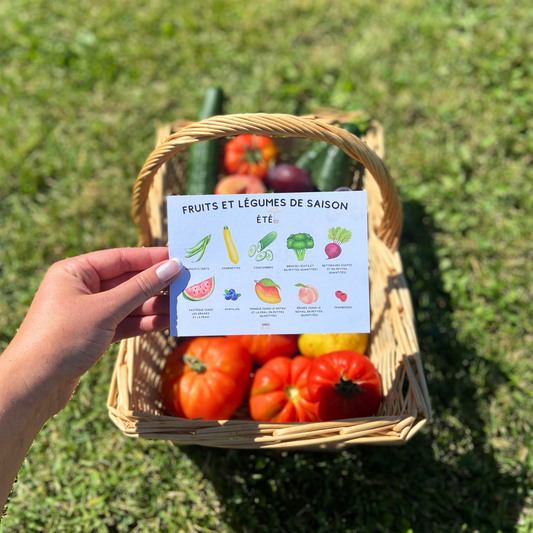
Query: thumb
[{"x": 129, "y": 295}]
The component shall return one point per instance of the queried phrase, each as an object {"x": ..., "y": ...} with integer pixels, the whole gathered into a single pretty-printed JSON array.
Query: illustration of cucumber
[
  {"x": 251, "y": 251},
  {"x": 266, "y": 241},
  {"x": 269, "y": 255},
  {"x": 261, "y": 256}
]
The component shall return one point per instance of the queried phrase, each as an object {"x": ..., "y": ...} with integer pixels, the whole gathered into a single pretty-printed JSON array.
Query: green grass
[{"x": 83, "y": 86}]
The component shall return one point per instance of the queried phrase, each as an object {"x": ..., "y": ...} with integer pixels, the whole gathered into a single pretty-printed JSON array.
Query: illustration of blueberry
[{"x": 234, "y": 296}]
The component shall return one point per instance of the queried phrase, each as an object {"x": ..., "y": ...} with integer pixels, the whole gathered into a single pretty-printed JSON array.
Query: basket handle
[{"x": 266, "y": 124}]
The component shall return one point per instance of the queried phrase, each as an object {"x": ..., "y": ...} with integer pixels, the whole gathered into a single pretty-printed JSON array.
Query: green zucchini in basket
[
  {"x": 333, "y": 170},
  {"x": 202, "y": 163}
]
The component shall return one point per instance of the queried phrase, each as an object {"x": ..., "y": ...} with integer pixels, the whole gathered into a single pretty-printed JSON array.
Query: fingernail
[{"x": 169, "y": 269}]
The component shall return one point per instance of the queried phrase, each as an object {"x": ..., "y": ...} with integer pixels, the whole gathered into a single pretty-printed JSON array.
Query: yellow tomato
[{"x": 316, "y": 344}]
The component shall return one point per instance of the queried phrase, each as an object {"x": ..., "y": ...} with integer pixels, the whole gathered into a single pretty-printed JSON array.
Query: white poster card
[{"x": 269, "y": 264}]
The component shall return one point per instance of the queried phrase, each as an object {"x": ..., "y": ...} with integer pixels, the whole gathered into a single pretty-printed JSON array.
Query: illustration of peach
[
  {"x": 267, "y": 291},
  {"x": 307, "y": 294}
]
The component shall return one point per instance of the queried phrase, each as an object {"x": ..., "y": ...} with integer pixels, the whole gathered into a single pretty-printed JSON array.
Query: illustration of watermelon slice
[{"x": 200, "y": 291}]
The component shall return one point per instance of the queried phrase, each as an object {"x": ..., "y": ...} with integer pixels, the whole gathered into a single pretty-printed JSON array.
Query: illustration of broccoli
[{"x": 300, "y": 243}]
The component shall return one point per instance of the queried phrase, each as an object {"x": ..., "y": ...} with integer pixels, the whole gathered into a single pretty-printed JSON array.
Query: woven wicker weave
[{"x": 134, "y": 401}]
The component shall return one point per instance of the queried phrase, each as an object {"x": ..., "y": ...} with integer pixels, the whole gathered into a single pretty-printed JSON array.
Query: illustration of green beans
[{"x": 198, "y": 248}]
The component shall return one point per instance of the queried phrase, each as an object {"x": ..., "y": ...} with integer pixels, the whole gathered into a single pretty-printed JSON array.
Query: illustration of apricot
[
  {"x": 307, "y": 294},
  {"x": 267, "y": 291}
]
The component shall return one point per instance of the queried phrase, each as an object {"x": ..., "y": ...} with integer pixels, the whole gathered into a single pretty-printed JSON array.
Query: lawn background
[{"x": 83, "y": 85}]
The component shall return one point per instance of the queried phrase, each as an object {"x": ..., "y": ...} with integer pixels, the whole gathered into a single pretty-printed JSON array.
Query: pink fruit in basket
[
  {"x": 240, "y": 184},
  {"x": 307, "y": 294}
]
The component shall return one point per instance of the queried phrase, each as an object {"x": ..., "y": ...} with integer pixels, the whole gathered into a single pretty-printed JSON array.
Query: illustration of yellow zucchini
[{"x": 232, "y": 251}]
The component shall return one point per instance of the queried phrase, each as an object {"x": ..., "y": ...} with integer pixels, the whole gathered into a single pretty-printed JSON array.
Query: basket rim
[{"x": 312, "y": 127}]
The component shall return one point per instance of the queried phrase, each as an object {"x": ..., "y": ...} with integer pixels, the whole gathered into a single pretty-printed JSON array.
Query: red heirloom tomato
[
  {"x": 279, "y": 391},
  {"x": 206, "y": 377},
  {"x": 250, "y": 154},
  {"x": 265, "y": 347},
  {"x": 344, "y": 384}
]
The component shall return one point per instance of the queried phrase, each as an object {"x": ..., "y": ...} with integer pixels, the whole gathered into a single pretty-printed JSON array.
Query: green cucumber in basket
[
  {"x": 333, "y": 171},
  {"x": 312, "y": 157},
  {"x": 202, "y": 163}
]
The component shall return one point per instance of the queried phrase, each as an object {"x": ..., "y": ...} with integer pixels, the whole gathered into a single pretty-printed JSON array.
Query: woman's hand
[
  {"x": 87, "y": 302},
  {"x": 82, "y": 305}
]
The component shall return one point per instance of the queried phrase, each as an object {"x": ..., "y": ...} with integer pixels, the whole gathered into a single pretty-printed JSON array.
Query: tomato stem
[
  {"x": 252, "y": 155},
  {"x": 347, "y": 387},
  {"x": 292, "y": 393},
  {"x": 194, "y": 363}
]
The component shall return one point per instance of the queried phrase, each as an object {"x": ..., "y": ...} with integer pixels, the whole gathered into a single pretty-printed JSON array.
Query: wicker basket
[{"x": 134, "y": 401}]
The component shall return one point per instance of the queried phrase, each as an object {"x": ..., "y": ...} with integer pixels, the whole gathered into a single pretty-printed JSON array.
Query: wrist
[
  {"x": 29, "y": 385},
  {"x": 28, "y": 398}
]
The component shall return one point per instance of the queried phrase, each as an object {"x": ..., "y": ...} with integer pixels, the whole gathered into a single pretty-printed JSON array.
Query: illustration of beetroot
[{"x": 338, "y": 236}]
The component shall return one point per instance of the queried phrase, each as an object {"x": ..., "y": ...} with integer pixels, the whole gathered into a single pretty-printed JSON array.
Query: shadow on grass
[{"x": 445, "y": 479}]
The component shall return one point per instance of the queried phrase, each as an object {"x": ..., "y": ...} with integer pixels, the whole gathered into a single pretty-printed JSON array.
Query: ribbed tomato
[
  {"x": 279, "y": 391},
  {"x": 250, "y": 154},
  {"x": 206, "y": 377},
  {"x": 344, "y": 384},
  {"x": 262, "y": 348}
]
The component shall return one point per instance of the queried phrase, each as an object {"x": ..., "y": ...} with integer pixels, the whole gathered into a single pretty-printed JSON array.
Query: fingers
[
  {"x": 122, "y": 300},
  {"x": 133, "y": 326},
  {"x": 158, "y": 305},
  {"x": 112, "y": 263},
  {"x": 111, "y": 283},
  {"x": 107, "y": 284}
]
